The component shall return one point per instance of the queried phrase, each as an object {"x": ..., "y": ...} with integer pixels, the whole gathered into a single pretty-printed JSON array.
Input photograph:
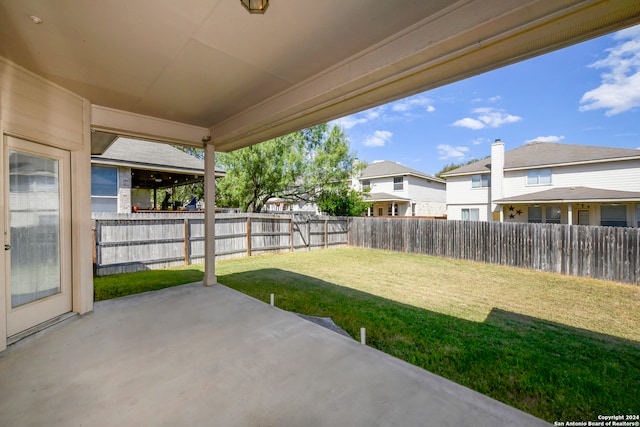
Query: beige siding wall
[
  {"x": 34, "y": 109},
  {"x": 624, "y": 176},
  {"x": 459, "y": 191},
  {"x": 385, "y": 185},
  {"x": 455, "y": 211},
  {"x": 423, "y": 190}
]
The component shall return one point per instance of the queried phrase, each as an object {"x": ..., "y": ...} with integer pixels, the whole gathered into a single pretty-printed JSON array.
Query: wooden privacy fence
[
  {"x": 128, "y": 243},
  {"x": 609, "y": 253}
]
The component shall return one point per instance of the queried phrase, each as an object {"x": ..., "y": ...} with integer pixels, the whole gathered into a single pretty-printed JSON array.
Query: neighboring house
[
  {"x": 395, "y": 189},
  {"x": 129, "y": 172},
  {"x": 549, "y": 183},
  {"x": 277, "y": 204}
]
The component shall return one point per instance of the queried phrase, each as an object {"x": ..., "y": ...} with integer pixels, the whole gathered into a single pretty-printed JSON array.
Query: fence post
[
  {"x": 95, "y": 249},
  {"x": 309, "y": 233},
  {"x": 326, "y": 234},
  {"x": 291, "y": 248},
  {"x": 248, "y": 227},
  {"x": 187, "y": 237}
]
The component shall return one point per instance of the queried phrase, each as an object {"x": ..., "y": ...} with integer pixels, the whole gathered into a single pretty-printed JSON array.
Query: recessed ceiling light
[{"x": 35, "y": 19}]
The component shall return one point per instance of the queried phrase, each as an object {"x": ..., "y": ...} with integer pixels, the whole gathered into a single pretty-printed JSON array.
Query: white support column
[
  {"x": 570, "y": 214},
  {"x": 209, "y": 215},
  {"x": 393, "y": 208}
]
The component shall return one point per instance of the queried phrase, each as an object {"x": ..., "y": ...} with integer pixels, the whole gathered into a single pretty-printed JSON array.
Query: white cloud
[
  {"x": 378, "y": 139},
  {"x": 495, "y": 98},
  {"x": 479, "y": 141},
  {"x": 487, "y": 117},
  {"x": 407, "y": 104},
  {"x": 627, "y": 33},
  {"x": 619, "y": 90},
  {"x": 469, "y": 123},
  {"x": 446, "y": 151},
  {"x": 550, "y": 138},
  {"x": 348, "y": 122}
]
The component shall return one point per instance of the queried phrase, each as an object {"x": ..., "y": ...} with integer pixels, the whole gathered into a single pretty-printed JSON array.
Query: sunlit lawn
[{"x": 558, "y": 347}]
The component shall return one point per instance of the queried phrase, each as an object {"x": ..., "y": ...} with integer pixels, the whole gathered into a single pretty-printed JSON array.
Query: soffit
[
  {"x": 247, "y": 78},
  {"x": 193, "y": 61}
]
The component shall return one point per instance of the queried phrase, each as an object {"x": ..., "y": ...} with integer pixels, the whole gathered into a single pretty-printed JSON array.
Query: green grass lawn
[{"x": 558, "y": 347}]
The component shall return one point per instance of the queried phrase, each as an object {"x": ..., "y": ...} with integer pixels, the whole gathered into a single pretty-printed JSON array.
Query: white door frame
[{"x": 33, "y": 313}]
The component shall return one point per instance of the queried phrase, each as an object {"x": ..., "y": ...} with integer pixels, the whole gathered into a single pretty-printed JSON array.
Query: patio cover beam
[
  {"x": 209, "y": 216},
  {"x": 427, "y": 55},
  {"x": 125, "y": 123}
]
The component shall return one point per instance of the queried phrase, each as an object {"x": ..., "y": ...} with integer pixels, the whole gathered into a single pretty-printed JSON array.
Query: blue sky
[{"x": 587, "y": 94}]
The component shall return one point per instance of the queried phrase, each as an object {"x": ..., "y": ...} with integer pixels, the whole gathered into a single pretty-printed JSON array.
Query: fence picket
[{"x": 610, "y": 253}]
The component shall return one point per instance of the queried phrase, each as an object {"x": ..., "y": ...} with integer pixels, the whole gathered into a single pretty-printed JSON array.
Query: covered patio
[
  {"x": 210, "y": 356},
  {"x": 384, "y": 204},
  {"x": 74, "y": 75},
  {"x": 574, "y": 205}
]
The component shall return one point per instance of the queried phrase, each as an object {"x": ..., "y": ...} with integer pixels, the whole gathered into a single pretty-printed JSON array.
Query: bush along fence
[
  {"x": 609, "y": 253},
  {"x": 135, "y": 242}
]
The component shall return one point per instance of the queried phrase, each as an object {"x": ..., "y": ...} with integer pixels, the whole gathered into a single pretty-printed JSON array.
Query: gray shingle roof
[
  {"x": 389, "y": 168},
  {"x": 541, "y": 154},
  {"x": 573, "y": 194},
  {"x": 149, "y": 155}
]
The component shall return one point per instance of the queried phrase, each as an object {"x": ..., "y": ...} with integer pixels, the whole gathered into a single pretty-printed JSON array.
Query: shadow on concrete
[{"x": 553, "y": 371}]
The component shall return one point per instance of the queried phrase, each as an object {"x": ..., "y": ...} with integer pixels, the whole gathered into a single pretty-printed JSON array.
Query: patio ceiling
[{"x": 216, "y": 70}]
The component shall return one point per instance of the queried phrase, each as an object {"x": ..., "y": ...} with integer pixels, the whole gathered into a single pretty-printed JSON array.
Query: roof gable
[
  {"x": 546, "y": 154},
  {"x": 147, "y": 154},
  {"x": 388, "y": 168}
]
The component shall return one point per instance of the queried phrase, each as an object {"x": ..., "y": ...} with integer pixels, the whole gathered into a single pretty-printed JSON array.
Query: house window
[
  {"x": 470, "y": 215},
  {"x": 479, "y": 181},
  {"x": 552, "y": 215},
  {"x": 398, "y": 182},
  {"x": 539, "y": 177},
  {"x": 393, "y": 206},
  {"x": 638, "y": 216},
  {"x": 104, "y": 189},
  {"x": 613, "y": 215},
  {"x": 366, "y": 184},
  {"x": 535, "y": 214}
]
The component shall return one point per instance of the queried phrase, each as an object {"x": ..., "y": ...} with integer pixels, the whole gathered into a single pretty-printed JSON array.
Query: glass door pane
[{"x": 34, "y": 211}]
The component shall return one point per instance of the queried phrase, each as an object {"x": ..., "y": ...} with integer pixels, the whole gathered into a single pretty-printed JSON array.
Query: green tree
[
  {"x": 298, "y": 166},
  {"x": 343, "y": 202}
]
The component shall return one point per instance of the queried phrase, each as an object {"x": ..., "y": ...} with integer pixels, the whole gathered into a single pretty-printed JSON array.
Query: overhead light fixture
[
  {"x": 255, "y": 6},
  {"x": 35, "y": 19}
]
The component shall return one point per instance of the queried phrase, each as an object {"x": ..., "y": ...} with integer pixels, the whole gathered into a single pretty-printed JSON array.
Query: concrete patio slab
[{"x": 210, "y": 356}]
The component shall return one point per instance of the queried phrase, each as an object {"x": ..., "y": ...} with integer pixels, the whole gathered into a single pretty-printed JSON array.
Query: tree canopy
[
  {"x": 343, "y": 202},
  {"x": 299, "y": 166}
]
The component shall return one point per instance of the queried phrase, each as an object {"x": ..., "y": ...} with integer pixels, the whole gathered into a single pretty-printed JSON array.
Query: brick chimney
[{"x": 497, "y": 173}]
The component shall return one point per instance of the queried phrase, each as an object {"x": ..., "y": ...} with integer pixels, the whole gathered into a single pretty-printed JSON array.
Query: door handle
[{"x": 7, "y": 247}]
